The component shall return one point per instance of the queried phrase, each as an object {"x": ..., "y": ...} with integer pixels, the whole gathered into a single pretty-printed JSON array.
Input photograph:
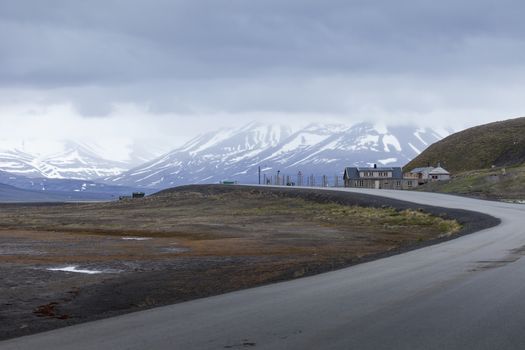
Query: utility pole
[{"x": 259, "y": 174}]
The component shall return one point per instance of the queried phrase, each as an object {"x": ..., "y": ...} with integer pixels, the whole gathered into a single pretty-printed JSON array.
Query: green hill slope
[
  {"x": 496, "y": 183},
  {"x": 499, "y": 144}
]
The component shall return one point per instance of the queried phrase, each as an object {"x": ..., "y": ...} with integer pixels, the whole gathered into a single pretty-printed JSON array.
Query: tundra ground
[{"x": 192, "y": 242}]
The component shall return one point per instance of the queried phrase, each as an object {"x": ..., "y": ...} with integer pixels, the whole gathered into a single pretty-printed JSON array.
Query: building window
[{"x": 382, "y": 174}]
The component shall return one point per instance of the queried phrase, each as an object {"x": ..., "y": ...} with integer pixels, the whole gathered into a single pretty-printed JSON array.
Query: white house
[
  {"x": 427, "y": 174},
  {"x": 439, "y": 174}
]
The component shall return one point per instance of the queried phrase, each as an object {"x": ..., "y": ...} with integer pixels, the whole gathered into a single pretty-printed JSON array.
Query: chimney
[{"x": 375, "y": 166}]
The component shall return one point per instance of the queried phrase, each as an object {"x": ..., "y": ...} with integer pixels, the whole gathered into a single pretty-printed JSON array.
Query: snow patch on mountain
[
  {"x": 418, "y": 135},
  {"x": 387, "y": 161},
  {"x": 391, "y": 140},
  {"x": 414, "y": 148}
]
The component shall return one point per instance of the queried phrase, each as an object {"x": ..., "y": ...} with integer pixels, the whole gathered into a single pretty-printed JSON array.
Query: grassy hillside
[
  {"x": 498, "y": 183},
  {"x": 501, "y": 144}
]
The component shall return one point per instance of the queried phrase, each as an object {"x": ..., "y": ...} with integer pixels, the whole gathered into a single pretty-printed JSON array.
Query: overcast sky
[{"x": 171, "y": 69}]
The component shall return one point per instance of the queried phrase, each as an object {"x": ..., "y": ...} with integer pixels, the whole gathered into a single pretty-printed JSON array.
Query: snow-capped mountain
[
  {"x": 74, "y": 160},
  {"x": 223, "y": 151},
  {"x": 18, "y": 162},
  {"x": 77, "y": 161},
  {"x": 316, "y": 149}
]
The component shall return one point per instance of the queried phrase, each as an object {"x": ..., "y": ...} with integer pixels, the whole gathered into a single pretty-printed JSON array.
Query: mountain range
[
  {"x": 228, "y": 154},
  {"x": 237, "y": 154},
  {"x": 75, "y": 160}
]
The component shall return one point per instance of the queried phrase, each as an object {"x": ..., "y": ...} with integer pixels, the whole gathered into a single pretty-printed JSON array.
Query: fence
[{"x": 302, "y": 180}]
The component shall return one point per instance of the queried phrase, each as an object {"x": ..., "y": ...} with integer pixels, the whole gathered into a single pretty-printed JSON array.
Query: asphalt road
[{"x": 467, "y": 293}]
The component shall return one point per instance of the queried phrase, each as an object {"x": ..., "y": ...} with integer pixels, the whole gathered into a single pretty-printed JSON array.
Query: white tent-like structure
[
  {"x": 438, "y": 174},
  {"x": 430, "y": 173}
]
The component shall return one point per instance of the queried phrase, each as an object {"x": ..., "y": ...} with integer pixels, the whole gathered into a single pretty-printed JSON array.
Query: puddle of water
[
  {"x": 136, "y": 238},
  {"x": 175, "y": 250},
  {"x": 77, "y": 270}
]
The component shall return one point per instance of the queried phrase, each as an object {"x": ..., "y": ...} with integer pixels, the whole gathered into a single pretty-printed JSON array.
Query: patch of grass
[
  {"x": 336, "y": 214},
  {"x": 237, "y": 214}
]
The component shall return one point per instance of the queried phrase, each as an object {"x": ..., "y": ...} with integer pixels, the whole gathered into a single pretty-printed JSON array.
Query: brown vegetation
[
  {"x": 196, "y": 241},
  {"x": 500, "y": 144}
]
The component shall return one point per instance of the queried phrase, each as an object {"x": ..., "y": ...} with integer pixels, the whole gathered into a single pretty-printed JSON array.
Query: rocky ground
[{"x": 71, "y": 263}]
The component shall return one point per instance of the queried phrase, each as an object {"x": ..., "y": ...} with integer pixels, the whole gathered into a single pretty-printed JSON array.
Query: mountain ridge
[
  {"x": 236, "y": 154},
  {"x": 76, "y": 160},
  {"x": 226, "y": 154}
]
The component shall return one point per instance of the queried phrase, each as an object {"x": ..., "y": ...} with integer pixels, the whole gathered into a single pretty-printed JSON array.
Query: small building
[
  {"x": 378, "y": 178},
  {"x": 439, "y": 174},
  {"x": 411, "y": 176},
  {"x": 229, "y": 182},
  {"x": 430, "y": 173},
  {"x": 138, "y": 195},
  {"x": 422, "y": 174}
]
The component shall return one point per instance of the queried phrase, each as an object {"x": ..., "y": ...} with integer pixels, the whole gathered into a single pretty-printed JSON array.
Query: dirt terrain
[{"x": 63, "y": 264}]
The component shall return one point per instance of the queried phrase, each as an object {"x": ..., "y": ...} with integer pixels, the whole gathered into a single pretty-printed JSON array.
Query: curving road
[{"x": 467, "y": 293}]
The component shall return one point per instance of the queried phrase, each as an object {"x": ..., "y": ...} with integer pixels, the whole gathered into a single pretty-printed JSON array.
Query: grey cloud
[
  {"x": 134, "y": 40},
  {"x": 295, "y": 55}
]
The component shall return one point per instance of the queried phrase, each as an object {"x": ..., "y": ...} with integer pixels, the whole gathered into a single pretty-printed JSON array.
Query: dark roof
[
  {"x": 351, "y": 173},
  {"x": 378, "y": 168}
]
